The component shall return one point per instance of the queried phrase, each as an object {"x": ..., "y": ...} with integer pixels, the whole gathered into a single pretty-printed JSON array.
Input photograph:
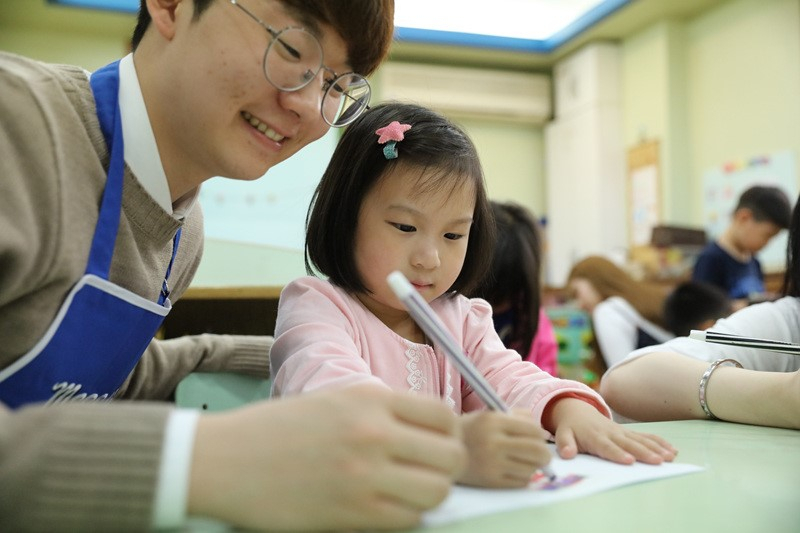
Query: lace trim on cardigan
[
  {"x": 451, "y": 403},
  {"x": 416, "y": 378}
]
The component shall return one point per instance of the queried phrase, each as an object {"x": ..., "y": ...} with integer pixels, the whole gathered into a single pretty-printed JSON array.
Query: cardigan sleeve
[
  {"x": 316, "y": 341},
  {"x": 519, "y": 383}
]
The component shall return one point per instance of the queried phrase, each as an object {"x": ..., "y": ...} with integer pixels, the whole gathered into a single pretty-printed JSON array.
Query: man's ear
[{"x": 163, "y": 15}]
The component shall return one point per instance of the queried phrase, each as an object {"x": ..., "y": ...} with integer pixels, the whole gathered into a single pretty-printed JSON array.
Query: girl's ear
[
  {"x": 163, "y": 15},
  {"x": 744, "y": 214}
]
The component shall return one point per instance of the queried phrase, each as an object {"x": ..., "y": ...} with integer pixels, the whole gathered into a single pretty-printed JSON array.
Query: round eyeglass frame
[{"x": 363, "y": 91}]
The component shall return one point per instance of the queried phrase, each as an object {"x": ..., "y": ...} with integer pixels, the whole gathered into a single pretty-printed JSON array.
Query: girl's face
[
  {"x": 424, "y": 236},
  {"x": 585, "y": 294}
]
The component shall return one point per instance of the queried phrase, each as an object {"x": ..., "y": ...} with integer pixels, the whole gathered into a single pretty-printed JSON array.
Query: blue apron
[{"x": 101, "y": 329}]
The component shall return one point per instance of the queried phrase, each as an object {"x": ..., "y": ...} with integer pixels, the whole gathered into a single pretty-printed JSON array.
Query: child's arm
[
  {"x": 317, "y": 340},
  {"x": 580, "y": 428}
]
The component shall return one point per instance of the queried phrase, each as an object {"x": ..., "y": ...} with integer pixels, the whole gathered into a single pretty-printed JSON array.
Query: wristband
[{"x": 704, "y": 383}]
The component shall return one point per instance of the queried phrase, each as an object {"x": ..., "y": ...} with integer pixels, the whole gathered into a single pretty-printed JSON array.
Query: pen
[
  {"x": 424, "y": 316},
  {"x": 745, "y": 342}
]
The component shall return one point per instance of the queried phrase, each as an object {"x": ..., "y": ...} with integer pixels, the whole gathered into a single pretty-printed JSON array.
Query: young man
[
  {"x": 101, "y": 229},
  {"x": 730, "y": 262}
]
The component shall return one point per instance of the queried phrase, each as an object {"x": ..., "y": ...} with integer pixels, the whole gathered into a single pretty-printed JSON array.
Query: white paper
[{"x": 598, "y": 475}]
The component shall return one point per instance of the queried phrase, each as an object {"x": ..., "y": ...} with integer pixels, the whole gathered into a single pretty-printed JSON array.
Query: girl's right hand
[{"x": 504, "y": 450}]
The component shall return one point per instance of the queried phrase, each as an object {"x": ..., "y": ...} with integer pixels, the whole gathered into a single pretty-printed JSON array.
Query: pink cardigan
[{"x": 326, "y": 338}]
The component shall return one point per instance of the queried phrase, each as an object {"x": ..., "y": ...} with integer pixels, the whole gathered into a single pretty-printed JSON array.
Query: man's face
[{"x": 218, "y": 114}]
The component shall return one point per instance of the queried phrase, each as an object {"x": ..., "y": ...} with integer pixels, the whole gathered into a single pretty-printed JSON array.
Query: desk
[
  {"x": 751, "y": 483},
  {"x": 233, "y": 310}
]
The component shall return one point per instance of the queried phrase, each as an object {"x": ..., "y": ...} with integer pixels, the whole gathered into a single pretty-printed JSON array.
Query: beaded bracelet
[{"x": 704, "y": 383}]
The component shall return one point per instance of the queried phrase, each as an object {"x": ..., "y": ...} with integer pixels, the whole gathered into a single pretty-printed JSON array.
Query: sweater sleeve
[
  {"x": 166, "y": 362},
  {"x": 80, "y": 467},
  {"x": 520, "y": 384}
]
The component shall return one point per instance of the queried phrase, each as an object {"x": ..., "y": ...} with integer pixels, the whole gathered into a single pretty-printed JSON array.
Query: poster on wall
[
  {"x": 269, "y": 211},
  {"x": 723, "y": 184},
  {"x": 644, "y": 204},
  {"x": 643, "y": 192}
]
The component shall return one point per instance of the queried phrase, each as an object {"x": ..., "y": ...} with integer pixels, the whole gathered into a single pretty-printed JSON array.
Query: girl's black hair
[
  {"x": 515, "y": 274},
  {"x": 445, "y": 157}
]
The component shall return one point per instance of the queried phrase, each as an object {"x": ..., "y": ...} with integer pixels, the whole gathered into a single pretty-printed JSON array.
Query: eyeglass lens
[
  {"x": 345, "y": 99},
  {"x": 293, "y": 59}
]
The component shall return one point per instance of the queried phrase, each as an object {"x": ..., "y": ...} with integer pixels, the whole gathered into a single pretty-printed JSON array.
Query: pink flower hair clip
[{"x": 390, "y": 135}]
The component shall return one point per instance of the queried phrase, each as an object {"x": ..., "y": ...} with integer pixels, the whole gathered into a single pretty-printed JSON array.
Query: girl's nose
[{"x": 427, "y": 257}]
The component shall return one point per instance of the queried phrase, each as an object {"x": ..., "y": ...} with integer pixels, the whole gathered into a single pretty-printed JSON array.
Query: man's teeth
[{"x": 263, "y": 128}]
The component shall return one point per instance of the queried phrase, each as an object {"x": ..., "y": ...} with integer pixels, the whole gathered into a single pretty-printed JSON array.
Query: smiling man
[{"x": 101, "y": 229}]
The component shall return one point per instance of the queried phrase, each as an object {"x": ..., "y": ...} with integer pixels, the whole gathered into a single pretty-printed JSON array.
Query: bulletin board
[
  {"x": 723, "y": 184},
  {"x": 271, "y": 210},
  {"x": 644, "y": 192}
]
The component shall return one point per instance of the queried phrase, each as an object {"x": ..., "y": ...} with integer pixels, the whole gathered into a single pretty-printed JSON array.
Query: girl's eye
[
  {"x": 453, "y": 236},
  {"x": 404, "y": 227}
]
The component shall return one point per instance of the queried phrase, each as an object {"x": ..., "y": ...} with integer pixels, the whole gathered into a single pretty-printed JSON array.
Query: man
[{"x": 101, "y": 230}]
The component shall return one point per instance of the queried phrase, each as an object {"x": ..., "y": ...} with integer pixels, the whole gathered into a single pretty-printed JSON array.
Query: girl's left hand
[{"x": 580, "y": 428}]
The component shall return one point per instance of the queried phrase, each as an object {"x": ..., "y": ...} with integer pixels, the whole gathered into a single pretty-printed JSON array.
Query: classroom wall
[
  {"x": 722, "y": 87},
  {"x": 744, "y": 82},
  {"x": 719, "y": 87},
  {"x": 62, "y": 34}
]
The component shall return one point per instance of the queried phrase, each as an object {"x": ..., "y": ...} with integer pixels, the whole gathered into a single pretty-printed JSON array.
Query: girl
[
  {"x": 626, "y": 313},
  {"x": 513, "y": 287},
  {"x": 404, "y": 191}
]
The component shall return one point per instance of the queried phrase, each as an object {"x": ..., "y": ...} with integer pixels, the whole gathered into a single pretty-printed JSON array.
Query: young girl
[
  {"x": 626, "y": 313},
  {"x": 513, "y": 288},
  {"x": 404, "y": 191}
]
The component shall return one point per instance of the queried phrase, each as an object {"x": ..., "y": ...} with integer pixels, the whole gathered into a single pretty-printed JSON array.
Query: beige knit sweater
[{"x": 79, "y": 466}]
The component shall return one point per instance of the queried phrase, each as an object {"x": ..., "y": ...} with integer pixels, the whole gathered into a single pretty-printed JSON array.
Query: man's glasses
[{"x": 293, "y": 59}]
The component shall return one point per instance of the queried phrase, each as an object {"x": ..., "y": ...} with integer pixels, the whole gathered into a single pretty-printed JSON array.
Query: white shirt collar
[{"x": 141, "y": 151}]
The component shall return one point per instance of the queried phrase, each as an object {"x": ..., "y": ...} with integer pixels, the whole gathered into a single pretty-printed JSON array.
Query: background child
[
  {"x": 662, "y": 382},
  {"x": 626, "y": 313},
  {"x": 730, "y": 262},
  {"x": 692, "y": 305},
  {"x": 404, "y": 191},
  {"x": 513, "y": 287}
]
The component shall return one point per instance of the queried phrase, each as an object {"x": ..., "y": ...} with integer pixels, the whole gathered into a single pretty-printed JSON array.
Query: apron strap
[
  {"x": 105, "y": 86},
  {"x": 164, "y": 287}
]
